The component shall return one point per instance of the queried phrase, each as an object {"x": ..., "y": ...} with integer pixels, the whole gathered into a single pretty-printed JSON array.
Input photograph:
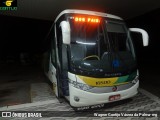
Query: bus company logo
[
  {"x": 8, "y": 5},
  {"x": 114, "y": 88}
]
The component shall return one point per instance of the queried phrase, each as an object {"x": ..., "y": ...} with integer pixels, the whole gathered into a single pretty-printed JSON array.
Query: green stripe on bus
[{"x": 122, "y": 79}]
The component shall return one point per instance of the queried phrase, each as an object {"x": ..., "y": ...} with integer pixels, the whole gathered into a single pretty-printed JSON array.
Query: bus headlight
[{"x": 80, "y": 86}]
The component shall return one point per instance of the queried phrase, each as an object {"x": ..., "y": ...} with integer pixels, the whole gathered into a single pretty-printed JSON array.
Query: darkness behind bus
[
  {"x": 148, "y": 57},
  {"x": 23, "y": 44}
]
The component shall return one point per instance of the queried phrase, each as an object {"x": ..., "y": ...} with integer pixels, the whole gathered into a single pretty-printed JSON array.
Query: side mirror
[
  {"x": 65, "y": 32},
  {"x": 145, "y": 36}
]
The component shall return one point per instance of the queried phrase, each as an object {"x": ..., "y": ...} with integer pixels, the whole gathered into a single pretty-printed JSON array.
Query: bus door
[
  {"x": 62, "y": 65},
  {"x": 59, "y": 65},
  {"x": 53, "y": 64}
]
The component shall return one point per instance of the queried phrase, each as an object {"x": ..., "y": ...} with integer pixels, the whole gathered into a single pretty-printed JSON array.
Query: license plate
[{"x": 114, "y": 97}]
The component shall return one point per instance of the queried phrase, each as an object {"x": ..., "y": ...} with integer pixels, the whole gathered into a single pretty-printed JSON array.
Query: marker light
[{"x": 88, "y": 19}]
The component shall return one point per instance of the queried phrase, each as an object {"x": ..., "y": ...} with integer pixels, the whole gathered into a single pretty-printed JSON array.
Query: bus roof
[{"x": 87, "y": 12}]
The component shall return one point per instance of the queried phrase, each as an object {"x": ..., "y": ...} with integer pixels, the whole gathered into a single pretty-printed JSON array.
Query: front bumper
[{"x": 88, "y": 98}]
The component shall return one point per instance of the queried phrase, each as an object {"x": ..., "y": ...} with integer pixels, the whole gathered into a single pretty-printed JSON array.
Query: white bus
[{"x": 92, "y": 59}]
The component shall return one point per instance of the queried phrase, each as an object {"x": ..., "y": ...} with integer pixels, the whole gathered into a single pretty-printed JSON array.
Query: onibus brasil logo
[{"x": 8, "y": 5}]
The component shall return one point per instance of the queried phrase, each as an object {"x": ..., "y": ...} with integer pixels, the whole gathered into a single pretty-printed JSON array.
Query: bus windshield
[{"x": 102, "y": 47}]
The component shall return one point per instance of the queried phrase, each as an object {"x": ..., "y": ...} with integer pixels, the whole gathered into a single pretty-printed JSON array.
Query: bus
[{"x": 91, "y": 59}]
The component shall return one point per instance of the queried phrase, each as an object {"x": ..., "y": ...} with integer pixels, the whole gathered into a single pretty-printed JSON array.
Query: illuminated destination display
[{"x": 86, "y": 19}]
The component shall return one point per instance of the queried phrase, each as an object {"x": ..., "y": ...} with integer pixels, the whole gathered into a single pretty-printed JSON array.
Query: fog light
[{"x": 76, "y": 98}]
